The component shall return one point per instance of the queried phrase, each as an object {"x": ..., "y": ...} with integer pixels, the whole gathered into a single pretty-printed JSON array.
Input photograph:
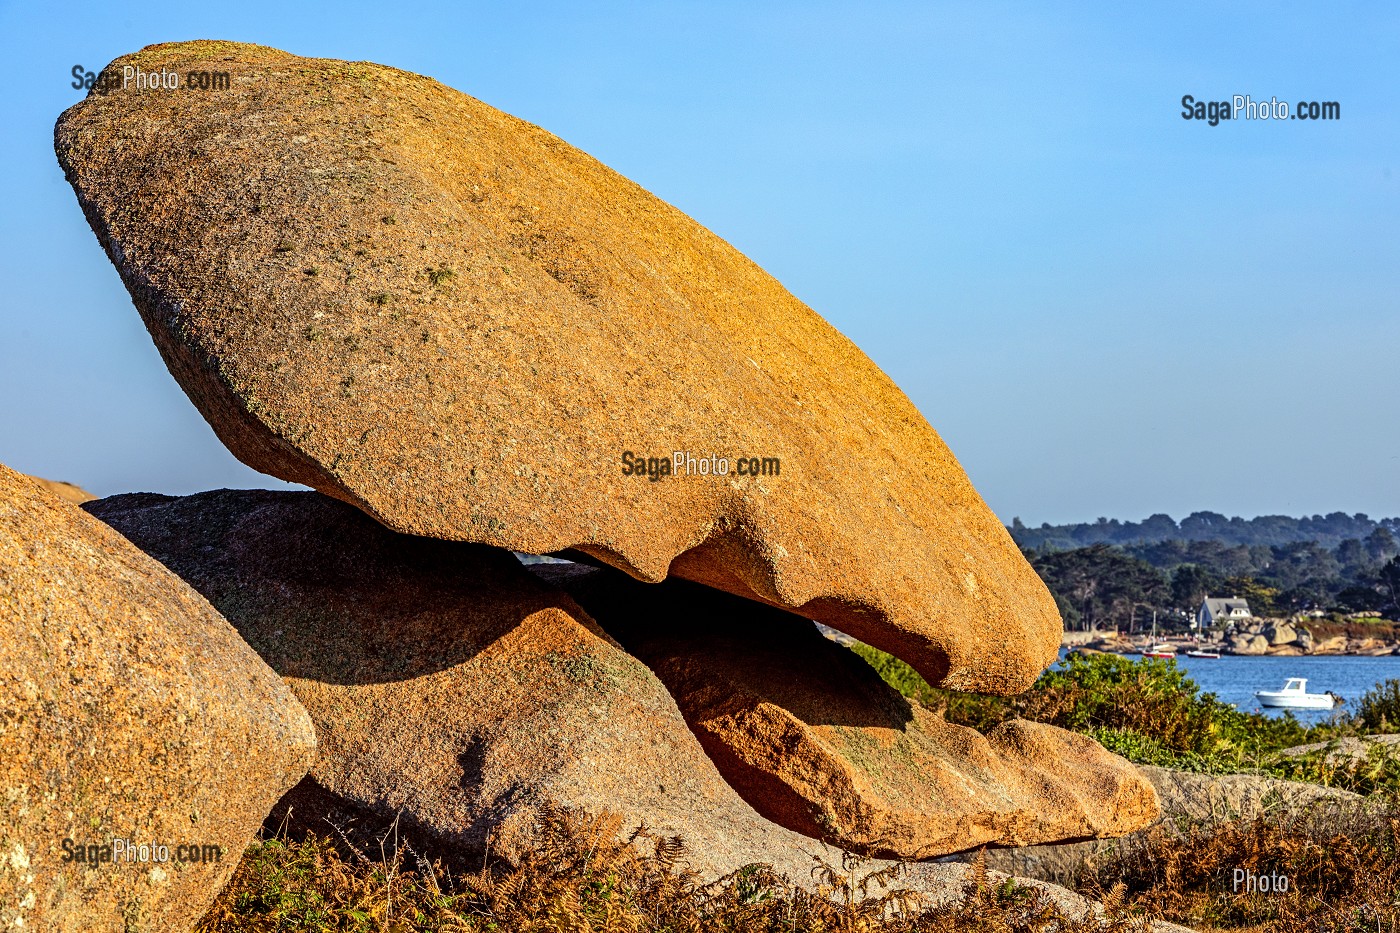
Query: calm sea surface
[{"x": 1234, "y": 679}]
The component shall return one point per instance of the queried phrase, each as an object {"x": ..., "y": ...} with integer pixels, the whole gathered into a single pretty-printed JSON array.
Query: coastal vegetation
[
  {"x": 1150, "y": 712},
  {"x": 1342, "y": 862},
  {"x": 582, "y": 877},
  {"x": 1342, "y": 865},
  {"x": 1328, "y": 531}
]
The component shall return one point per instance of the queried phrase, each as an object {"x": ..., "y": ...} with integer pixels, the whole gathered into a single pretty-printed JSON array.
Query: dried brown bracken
[{"x": 584, "y": 877}]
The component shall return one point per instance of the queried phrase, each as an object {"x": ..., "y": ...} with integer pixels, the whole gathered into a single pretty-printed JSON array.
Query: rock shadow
[
  {"x": 675, "y": 627},
  {"x": 324, "y": 592}
]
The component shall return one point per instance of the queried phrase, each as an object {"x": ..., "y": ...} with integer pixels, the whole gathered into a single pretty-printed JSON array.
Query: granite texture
[
  {"x": 129, "y": 710},
  {"x": 389, "y": 291}
]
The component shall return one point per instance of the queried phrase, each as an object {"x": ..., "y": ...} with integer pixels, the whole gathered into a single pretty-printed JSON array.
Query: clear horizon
[{"x": 1103, "y": 308}]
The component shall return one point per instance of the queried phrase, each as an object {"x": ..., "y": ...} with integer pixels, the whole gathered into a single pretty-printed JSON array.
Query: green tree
[
  {"x": 1389, "y": 577},
  {"x": 1192, "y": 583},
  {"x": 1380, "y": 545},
  {"x": 1102, "y": 584},
  {"x": 1262, "y": 597},
  {"x": 1351, "y": 554}
]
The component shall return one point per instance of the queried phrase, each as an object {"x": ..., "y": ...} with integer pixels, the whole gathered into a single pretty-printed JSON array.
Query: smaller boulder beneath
[
  {"x": 813, "y": 738},
  {"x": 447, "y": 683}
]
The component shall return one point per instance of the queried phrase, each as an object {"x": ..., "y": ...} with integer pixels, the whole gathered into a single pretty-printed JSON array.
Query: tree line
[
  {"x": 1121, "y": 586},
  {"x": 1328, "y": 531}
]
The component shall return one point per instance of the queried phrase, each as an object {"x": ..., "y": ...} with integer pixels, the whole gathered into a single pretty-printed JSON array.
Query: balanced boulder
[
  {"x": 141, "y": 740},
  {"x": 812, "y": 737},
  {"x": 447, "y": 684},
  {"x": 387, "y": 290}
]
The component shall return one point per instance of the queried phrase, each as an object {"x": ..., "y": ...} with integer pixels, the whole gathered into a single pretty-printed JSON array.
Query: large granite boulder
[
  {"x": 387, "y": 290},
  {"x": 447, "y": 683},
  {"x": 143, "y": 741},
  {"x": 813, "y": 738}
]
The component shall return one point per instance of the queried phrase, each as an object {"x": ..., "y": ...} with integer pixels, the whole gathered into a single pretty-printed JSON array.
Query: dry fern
[{"x": 585, "y": 876}]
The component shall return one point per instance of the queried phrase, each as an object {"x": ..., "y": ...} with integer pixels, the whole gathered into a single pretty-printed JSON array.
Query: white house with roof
[{"x": 1220, "y": 609}]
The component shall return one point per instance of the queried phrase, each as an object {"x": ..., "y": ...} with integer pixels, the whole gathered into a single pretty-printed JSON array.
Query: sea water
[{"x": 1235, "y": 678}]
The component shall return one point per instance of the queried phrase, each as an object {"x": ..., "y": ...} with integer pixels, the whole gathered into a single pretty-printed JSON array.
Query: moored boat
[
  {"x": 1294, "y": 695},
  {"x": 1203, "y": 653},
  {"x": 1155, "y": 648}
]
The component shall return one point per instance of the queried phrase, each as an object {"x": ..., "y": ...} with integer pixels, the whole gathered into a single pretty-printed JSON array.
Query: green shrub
[
  {"x": 977, "y": 710},
  {"x": 1146, "y": 710},
  {"x": 1137, "y": 747},
  {"x": 1379, "y": 771},
  {"x": 898, "y": 675},
  {"x": 1379, "y": 708}
]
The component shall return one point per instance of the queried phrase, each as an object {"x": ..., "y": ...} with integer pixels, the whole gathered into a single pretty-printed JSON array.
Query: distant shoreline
[{"x": 1108, "y": 643}]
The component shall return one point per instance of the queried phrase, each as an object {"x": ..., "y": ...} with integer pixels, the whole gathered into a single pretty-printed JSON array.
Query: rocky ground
[{"x": 1188, "y": 800}]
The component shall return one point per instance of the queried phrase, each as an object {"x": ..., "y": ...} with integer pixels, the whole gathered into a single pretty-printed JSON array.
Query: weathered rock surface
[
  {"x": 1187, "y": 799},
  {"x": 69, "y": 493},
  {"x": 129, "y": 710},
  {"x": 387, "y": 290},
  {"x": 1248, "y": 644},
  {"x": 816, "y": 741},
  {"x": 1333, "y": 644},
  {"x": 447, "y": 682},
  {"x": 1349, "y": 750}
]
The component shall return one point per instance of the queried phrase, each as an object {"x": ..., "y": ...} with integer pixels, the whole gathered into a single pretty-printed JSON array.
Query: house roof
[{"x": 1217, "y": 605}]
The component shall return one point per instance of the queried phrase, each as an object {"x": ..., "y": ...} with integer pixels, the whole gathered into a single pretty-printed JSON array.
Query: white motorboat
[
  {"x": 1294, "y": 695},
  {"x": 1203, "y": 653}
]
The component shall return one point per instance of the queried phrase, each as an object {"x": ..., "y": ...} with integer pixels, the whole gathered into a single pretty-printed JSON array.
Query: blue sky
[{"x": 1105, "y": 309}]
